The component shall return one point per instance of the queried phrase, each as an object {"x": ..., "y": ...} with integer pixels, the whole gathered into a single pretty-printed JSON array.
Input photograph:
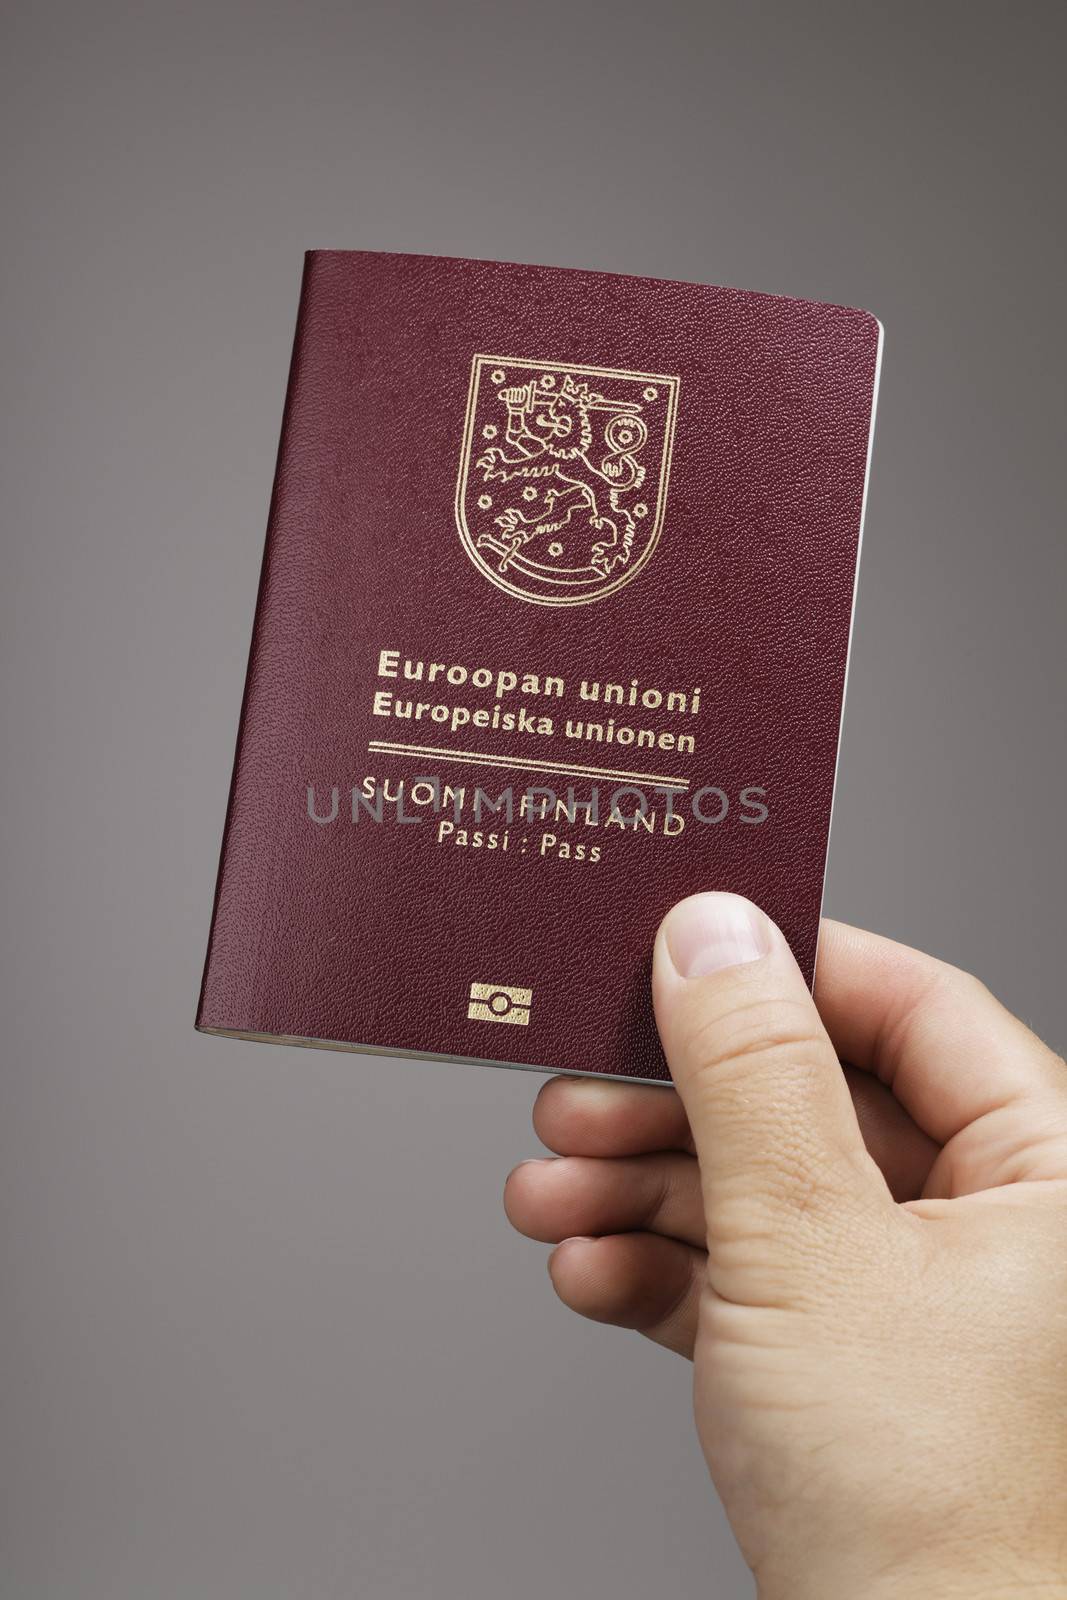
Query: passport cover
[{"x": 552, "y": 630}]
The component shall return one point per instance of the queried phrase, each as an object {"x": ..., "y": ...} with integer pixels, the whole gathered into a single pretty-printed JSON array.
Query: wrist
[
  {"x": 954, "y": 1586},
  {"x": 999, "y": 1577}
]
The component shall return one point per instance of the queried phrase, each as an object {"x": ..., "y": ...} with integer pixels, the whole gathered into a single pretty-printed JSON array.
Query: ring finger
[{"x": 564, "y": 1196}]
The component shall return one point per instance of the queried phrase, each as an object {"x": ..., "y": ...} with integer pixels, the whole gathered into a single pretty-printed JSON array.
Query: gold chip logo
[
  {"x": 563, "y": 475},
  {"x": 496, "y": 1002}
]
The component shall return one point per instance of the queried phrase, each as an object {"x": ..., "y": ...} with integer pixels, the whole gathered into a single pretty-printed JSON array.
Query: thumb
[{"x": 783, "y": 1166}]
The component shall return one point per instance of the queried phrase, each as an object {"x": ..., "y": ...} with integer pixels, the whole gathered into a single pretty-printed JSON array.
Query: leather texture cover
[{"x": 575, "y": 544}]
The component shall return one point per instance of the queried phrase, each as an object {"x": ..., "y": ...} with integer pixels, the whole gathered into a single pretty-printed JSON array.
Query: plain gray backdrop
[{"x": 265, "y": 1332}]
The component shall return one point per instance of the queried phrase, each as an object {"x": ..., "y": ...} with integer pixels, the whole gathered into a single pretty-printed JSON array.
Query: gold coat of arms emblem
[{"x": 563, "y": 476}]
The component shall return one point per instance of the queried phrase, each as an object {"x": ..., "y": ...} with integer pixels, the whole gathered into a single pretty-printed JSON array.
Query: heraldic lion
[{"x": 572, "y": 453}]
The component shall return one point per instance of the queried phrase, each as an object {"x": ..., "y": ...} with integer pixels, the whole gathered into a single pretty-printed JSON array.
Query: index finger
[
  {"x": 589, "y": 1117},
  {"x": 935, "y": 1036}
]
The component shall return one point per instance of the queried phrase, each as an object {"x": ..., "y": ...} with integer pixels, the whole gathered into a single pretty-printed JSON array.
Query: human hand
[{"x": 873, "y": 1286}]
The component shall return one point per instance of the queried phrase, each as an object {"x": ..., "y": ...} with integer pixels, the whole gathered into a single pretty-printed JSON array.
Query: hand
[{"x": 872, "y": 1286}]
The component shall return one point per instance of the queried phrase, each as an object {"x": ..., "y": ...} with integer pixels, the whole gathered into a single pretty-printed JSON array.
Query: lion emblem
[{"x": 563, "y": 476}]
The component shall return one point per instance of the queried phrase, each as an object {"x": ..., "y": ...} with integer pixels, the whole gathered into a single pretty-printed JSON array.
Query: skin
[{"x": 868, "y": 1267}]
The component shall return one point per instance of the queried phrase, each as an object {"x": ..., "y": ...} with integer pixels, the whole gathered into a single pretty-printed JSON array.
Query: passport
[{"x": 552, "y": 631}]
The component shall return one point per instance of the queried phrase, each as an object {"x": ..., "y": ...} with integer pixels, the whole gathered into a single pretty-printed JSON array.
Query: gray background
[{"x": 265, "y": 1331}]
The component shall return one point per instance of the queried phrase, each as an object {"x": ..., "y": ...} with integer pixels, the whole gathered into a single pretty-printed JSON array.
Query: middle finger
[{"x": 561, "y": 1197}]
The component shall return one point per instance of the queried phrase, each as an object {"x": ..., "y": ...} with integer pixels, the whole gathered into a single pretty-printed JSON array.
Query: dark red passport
[{"x": 552, "y": 630}]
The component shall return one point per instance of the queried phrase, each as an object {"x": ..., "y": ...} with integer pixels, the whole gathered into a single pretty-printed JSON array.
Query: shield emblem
[{"x": 563, "y": 475}]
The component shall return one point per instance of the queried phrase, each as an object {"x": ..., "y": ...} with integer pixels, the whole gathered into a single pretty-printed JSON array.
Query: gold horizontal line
[{"x": 481, "y": 758}]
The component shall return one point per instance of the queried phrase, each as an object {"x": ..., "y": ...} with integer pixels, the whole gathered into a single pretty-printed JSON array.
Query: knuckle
[
  {"x": 960, "y": 985},
  {"x": 779, "y": 1034},
  {"x": 674, "y": 1300},
  {"x": 952, "y": 986},
  {"x": 659, "y": 1199},
  {"x": 675, "y": 1202}
]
